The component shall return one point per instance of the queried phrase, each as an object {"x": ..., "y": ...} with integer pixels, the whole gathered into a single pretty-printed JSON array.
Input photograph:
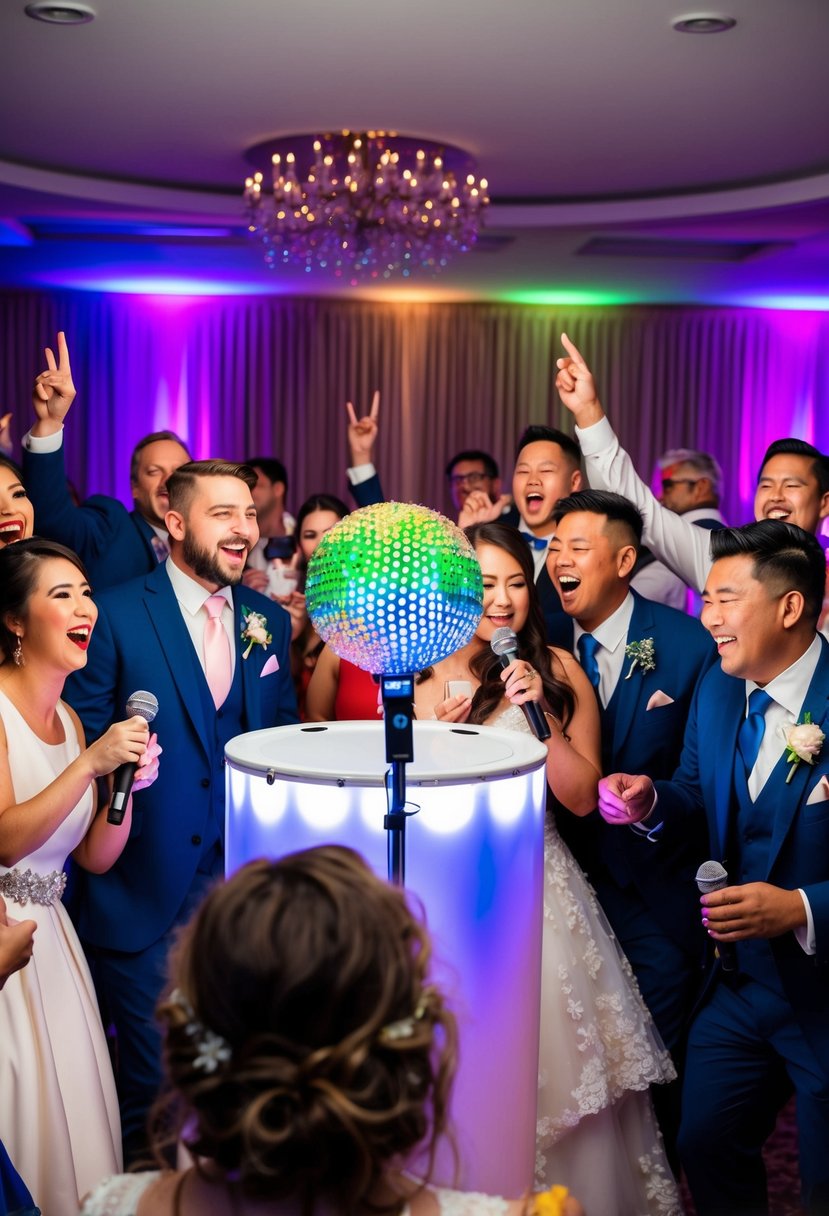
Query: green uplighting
[{"x": 576, "y": 296}]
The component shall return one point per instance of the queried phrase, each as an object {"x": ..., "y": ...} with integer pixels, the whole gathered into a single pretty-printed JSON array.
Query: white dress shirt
[
  {"x": 191, "y": 598},
  {"x": 612, "y": 635},
  {"x": 788, "y": 691}
]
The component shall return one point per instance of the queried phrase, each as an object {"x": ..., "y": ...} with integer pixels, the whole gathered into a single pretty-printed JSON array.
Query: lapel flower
[
  {"x": 803, "y": 742},
  {"x": 254, "y": 630},
  {"x": 642, "y": 655}
]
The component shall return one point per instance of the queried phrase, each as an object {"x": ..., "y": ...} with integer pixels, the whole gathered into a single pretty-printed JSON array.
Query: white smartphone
[
  {"x": 457, "y": 688},
  {"x": 282, "y": 578}
]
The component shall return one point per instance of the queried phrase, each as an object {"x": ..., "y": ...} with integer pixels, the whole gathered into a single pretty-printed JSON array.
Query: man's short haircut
[
  {"x": 785, "y": 558},
  {"x": 617, "y": 509},
  {"x": 701, "y": 462},
  {"x": 155, "y": 437},
  {"x": 182, "y": 484},
  {"x": 489, "y": 462},
  {"x": 548, "y": 434},
  {"x": 273, "y": 469},
  {"x": 799, "y": 447}
]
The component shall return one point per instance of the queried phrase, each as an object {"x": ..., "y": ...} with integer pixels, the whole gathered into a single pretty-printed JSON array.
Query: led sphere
[{"x": 394, "y": 587}]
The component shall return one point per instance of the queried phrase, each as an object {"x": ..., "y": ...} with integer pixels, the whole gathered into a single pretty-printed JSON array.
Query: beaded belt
[{"x": 25, "y": 887}]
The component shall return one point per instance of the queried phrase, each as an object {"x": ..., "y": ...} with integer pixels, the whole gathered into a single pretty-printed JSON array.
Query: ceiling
[{"x": 626, "y": 161}]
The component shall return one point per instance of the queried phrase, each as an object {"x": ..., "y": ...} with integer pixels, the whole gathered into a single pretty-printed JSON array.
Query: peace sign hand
[
  {"x": 54, "y": 391},
  {"x": 363, "y": 432}
]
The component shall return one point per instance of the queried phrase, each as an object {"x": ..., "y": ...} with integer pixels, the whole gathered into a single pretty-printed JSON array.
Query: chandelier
[{"x": 371, "y": 206}]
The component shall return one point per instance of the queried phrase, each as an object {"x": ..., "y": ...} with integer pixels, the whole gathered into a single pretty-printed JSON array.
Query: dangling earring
[{"x": 17, "y": 654}]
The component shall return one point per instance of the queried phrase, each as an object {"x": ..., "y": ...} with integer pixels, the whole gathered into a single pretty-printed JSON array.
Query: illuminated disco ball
[{"x": 394, "y": 588}]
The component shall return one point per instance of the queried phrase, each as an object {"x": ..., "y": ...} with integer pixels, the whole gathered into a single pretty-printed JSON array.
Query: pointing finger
[{"x": 572, "y": 351}]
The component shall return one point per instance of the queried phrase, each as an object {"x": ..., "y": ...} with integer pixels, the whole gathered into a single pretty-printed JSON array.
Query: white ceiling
[{"x": 592, "y": 119}]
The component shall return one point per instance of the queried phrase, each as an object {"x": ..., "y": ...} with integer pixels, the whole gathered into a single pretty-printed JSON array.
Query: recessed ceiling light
[
  {"x": 703, "y": 23},
  {"x": 70, "y": 13}
]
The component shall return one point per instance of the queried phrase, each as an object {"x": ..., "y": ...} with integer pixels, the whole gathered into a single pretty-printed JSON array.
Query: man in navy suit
[
  {"x": 152, "y": 634},
  {"x": 764, "y": 787},
  {"x": 644, "y": 883},
  {"x": 114, "y": 544}
]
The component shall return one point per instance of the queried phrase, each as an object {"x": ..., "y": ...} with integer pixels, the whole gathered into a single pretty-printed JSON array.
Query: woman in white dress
[
  {"x": 599, "y": 1051},
  {"x": 58, "y": 1110},
  {"x": 308, "y": 1055}
]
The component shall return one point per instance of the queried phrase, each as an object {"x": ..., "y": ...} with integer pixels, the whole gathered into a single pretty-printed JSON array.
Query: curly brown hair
[{"x": 301, "y": 965}]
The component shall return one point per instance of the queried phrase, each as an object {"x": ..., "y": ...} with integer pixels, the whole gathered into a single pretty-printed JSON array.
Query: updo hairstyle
[{"x": 337, "y": 1054}]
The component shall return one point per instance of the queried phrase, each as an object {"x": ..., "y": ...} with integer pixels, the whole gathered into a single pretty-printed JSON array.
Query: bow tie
[{"x": 535, "y": 542}]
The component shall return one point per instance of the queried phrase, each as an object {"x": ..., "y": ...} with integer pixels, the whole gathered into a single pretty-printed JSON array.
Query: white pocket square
[
  {"x": 270, "y": 667},
  {"x": 820, "y": 793},
  {"x": 658, "y": 699}
]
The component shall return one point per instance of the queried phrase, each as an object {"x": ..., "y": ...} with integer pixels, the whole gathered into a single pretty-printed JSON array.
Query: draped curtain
[{"x": 238, "y": 377}]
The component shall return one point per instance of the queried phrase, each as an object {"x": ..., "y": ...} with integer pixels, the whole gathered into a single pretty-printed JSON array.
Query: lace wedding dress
[{"x": 599, "y": 1052}]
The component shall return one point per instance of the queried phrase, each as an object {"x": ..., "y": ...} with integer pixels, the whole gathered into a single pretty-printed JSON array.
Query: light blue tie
[
  {"x": 751, "y": 732},
  {"x": 588, "y": 645}
]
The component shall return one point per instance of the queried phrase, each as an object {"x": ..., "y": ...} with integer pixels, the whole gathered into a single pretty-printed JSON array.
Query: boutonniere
[
  {"x": 803, "y": 742},
  {"x": 254, "y": 630},
  {"x": 642, "y": 655}
]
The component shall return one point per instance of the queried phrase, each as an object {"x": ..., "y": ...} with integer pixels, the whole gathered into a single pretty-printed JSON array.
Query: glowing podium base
[{"x": 474, "y": 857}]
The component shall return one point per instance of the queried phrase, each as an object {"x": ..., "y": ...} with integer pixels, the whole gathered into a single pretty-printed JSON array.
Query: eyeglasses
[
  {"x": 669, "y": 482},
  {"x": 472, "y": 479}
]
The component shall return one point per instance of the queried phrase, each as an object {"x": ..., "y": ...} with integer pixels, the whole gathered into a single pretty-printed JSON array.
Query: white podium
[{"x": 474, "y": 858}]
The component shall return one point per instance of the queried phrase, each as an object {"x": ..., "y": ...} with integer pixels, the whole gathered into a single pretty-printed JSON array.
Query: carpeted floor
[{"x": 781, "y": 1166}]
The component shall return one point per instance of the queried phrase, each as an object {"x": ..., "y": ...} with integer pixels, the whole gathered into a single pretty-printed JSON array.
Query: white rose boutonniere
[
  {"x": 642, "y": 655},
  {"x": 254, "y": 630},
  {"x": 803, "y": 742}
]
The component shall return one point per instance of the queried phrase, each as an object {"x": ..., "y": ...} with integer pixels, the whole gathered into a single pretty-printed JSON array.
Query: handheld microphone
[
  {"x": 711, "y": 876},
  {"x": 504, "y": 645},
  {"x": 144, "y": 705}
]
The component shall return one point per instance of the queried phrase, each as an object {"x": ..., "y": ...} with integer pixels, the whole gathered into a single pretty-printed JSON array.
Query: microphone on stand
[
  {"x": 504, "y": 646},
  {"x": 711, "y": 876},
  {"x": 144, "y": 705}
]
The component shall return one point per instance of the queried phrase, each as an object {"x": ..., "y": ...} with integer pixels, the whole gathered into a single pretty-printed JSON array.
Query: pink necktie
[{"x": 217, "y": 664}]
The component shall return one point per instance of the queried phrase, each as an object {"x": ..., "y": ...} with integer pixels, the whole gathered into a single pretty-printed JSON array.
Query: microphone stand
[{"x": 398, "y": 712}]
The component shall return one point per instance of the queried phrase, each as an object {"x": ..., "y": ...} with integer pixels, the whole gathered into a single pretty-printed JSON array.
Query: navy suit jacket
[
  {"x": 114, "y": 544},
  {"x": 799, "y": 848},
  {"x": 636, "y": 739},
  {"x": 141, "y": 641}
]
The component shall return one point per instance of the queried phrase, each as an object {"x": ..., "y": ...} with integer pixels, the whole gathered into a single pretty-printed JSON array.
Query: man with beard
[
  {"x": 215, "y": 654},
  {"x": 114, "y": 544}
]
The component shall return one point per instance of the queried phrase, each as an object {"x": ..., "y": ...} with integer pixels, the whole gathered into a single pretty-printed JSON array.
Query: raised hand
[
  {"x": 362, "y": 432},
  {"x": 625, "y": 799},
  {"x": 124, "y": 743},
  {"x": 478, "y": 509},
  {"x": 54, "y": 391},
  {"x": 576, "y": 386}
]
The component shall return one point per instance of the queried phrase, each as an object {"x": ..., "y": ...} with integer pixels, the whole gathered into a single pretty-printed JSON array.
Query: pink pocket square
[
  {"x": 270, "y": 667},
  {"x": 659, "y": 699},
  {"x": 820, "y": 793}
]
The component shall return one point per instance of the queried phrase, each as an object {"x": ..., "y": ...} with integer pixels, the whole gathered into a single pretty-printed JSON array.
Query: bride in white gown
[
  {"x": 58, "y": 1109},
  {"x": 599, "y": 1050}
]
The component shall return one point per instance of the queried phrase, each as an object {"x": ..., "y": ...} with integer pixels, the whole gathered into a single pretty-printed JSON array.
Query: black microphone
[
  {"x": 711, "y": 876},
  {"x": 504, "y": 644},
  {"x": 144, "y": 705}
]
